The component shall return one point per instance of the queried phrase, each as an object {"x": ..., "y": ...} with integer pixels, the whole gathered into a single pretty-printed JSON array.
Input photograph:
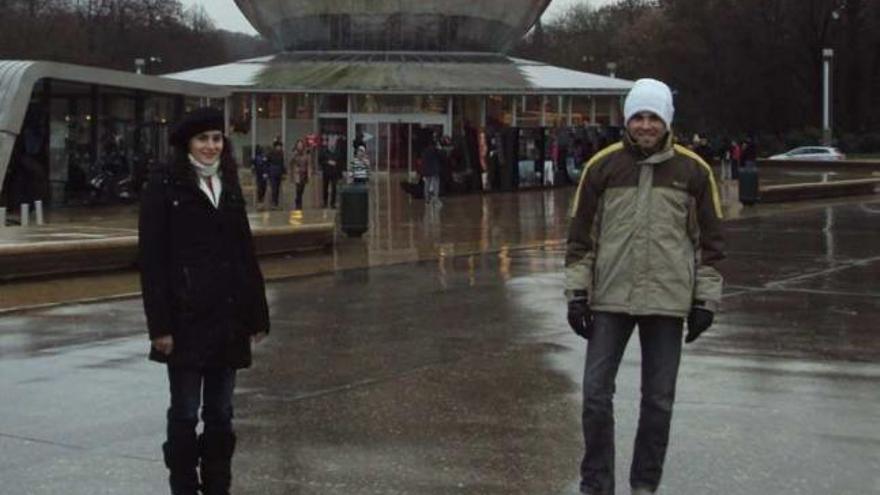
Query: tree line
[
  {"x": 740, "y": 67},
  {"x": 113, "y": 33}
]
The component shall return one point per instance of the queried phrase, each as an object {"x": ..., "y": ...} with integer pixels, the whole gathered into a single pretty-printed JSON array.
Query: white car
[{"x": 811, "y": 153}]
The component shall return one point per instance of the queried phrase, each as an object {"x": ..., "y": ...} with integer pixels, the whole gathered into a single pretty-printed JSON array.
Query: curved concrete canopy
[
  {"x": 392, "y": 25},
  {"x": 18, "y": 78}
]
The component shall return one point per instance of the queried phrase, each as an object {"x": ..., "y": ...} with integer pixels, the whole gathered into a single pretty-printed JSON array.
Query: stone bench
[{"x": 54, "y": 250}]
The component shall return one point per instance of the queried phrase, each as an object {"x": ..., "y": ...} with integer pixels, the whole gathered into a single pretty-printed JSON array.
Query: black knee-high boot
[
  {"x": 182, "y": 457},
  {"x": 216, "y": 449}
]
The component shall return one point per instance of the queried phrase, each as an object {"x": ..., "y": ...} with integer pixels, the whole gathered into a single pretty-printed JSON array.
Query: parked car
[{"x": 811, "y": 153}]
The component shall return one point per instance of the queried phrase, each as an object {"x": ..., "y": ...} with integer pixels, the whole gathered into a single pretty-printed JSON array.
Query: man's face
[{"x": 646, "y": 129}]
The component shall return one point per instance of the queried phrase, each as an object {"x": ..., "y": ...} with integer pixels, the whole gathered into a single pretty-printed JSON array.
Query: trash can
[
  {"x": 749, "y": 190},
  {"x": 354, "y": 209}
]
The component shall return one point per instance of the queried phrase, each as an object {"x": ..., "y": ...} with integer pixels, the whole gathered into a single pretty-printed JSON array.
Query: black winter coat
[{"x": 199, "y": 275}]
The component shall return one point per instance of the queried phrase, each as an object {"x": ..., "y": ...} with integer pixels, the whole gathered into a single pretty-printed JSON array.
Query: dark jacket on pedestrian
[
  {"x": 276, "y": 168},
  {"x": 199, "y": 274},
  {"x": 432, "y": 161},
  {"x": 261, "y": 165},
  {"x": 331, "y": 165}
]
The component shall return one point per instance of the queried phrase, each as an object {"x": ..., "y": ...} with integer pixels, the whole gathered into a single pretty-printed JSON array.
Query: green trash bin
[
  {"x": 354, "y": 209},
  {"x": 749, "y": 190}
]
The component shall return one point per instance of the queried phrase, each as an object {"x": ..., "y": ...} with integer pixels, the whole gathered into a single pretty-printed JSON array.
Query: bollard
[
  {"x": 25, "y": 214},
  {"x": 2, "y": 217},
  {"x": 38, "y": 211}
]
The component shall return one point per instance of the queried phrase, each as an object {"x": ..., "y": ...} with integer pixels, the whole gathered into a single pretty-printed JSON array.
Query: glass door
[{"x": 394, "y": 143}]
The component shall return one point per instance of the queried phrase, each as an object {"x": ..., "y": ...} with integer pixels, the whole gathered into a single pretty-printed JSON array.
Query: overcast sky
[{"x": 227, "y": 16}]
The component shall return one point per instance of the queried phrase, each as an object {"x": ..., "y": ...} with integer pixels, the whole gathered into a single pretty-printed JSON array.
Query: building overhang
[{"x": 402, "y": 73}]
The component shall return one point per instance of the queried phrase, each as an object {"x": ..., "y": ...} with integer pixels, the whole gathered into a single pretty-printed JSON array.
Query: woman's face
[
  {"x": 206, "y": 147},
  {"x": 300, "y": 146}
]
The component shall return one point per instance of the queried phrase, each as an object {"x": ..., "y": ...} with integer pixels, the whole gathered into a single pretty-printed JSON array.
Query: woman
[
  {"x": 300, "y": 166},
  {"x": 204, "y": 297},
  {"x": 360, "y": 166}
]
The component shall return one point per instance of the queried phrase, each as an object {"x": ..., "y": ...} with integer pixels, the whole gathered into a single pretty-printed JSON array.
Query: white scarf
[
  {"x": 209, "y": 173},
  {"x": 203, "y": 170}
]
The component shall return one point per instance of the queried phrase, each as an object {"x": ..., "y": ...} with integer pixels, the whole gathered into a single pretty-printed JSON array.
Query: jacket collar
[{"x": 661, "y": 154}]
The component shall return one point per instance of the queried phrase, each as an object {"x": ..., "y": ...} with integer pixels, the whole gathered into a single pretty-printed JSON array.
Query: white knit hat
[{"x": 650, "y": 95}]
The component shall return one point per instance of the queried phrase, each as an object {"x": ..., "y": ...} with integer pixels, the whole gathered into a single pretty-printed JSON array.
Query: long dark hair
[{"x": 182, "y": 168}]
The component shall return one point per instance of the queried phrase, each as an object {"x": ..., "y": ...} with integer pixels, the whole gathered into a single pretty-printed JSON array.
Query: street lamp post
[
  {"x": 827, "y": 58},
  {"x": 612, "y": 68}
]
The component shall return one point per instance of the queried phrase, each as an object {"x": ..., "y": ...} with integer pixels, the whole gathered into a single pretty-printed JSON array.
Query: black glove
[
  {"x": 699, "y": 321},
  {"x": 580, "y": 318}
]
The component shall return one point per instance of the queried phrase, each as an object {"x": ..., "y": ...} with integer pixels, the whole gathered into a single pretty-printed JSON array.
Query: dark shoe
[
  {"x": 182, "y": 458},
  {"x": 585, "y": 490},
  {"x": 216, "y": 451}
]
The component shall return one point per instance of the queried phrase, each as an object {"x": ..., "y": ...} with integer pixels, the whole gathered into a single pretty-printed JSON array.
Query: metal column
[
  {"x": 253, "y": 125},
  {"x": 284, "y": 125}
]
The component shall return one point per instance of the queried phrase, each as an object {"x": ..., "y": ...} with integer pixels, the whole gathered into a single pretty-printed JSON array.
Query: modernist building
[{"x": 385, "y": 73}]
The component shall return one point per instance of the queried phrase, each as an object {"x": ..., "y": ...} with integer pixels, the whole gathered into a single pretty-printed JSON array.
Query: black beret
[{"x": 196, "y": 122}]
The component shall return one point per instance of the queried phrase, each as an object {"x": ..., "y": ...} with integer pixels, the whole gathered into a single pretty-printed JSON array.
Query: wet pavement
[
  {"x": 433, "y": 358},
  {"x": 402, "y": 231}
]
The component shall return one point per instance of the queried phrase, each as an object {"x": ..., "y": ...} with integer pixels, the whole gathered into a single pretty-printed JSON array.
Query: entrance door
[{"x": 394, "y": 143}]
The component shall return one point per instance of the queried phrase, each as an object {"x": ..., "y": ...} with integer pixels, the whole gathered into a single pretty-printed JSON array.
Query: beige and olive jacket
[{"x": 645, "y": 232}]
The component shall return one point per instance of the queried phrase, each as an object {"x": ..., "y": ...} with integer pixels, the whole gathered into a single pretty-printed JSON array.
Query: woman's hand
[
  {"x": 165, "y": 344},
  {"x": 258, "y": 337}
]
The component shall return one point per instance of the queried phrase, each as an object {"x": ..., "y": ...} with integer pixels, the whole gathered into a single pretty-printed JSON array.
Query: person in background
[
  {"x": 300, "y": 164},
  {"x": 261, "y": 174},
  {"x": 360, "y": 166},
  {"x": 330, "y": 173},
  {"x": 204, "y": 298},
  {"x": 736, "y": 159},
  {"x": 276, "y": 173},
  {"x": 432, "y": 162}
]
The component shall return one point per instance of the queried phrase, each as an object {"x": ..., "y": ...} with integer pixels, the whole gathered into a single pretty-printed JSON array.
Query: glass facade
[
  {"x": 88, "y": 144},
  {"x": 84, "y": 144}
]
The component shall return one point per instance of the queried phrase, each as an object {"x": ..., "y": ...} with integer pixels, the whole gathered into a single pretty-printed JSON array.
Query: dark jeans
[
  {"x": 276, "y": 189},
  {"x": 298, "y": 202},
  {"x": 261, "y": 188},
  {"x": 329, "y": 193},
  {"x": 660, "y": 338},
  {"x": 210, "y": 389}
]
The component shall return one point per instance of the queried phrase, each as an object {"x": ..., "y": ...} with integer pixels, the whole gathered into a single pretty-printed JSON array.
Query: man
[
  {"x": 432, "y": 164},
  {"x": 330, "y": 171},
  {"x": 277, "y": 171},
  {"x": 644, "y": 240},
  {"x": 261, "y": 174}
]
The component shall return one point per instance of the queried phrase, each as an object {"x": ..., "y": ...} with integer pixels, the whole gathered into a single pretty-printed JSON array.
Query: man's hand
[
  {"x": 164, "y": 344},
  {"x": 580, "y": 317},
  {"x": 258, "y": 337},
  {"x": 699, "y": 321}
]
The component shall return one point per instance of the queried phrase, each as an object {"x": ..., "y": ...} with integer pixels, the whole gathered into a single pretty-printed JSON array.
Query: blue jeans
[
  {"x": 432, "y": 188},
  {"x": 660, "y": 338},
  {"x": 192, "y": 389}
]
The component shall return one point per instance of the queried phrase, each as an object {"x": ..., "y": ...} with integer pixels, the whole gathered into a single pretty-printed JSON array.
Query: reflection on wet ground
[
  {"x": 402, "y": 231},
  {"x": 451, "y": 370}
]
